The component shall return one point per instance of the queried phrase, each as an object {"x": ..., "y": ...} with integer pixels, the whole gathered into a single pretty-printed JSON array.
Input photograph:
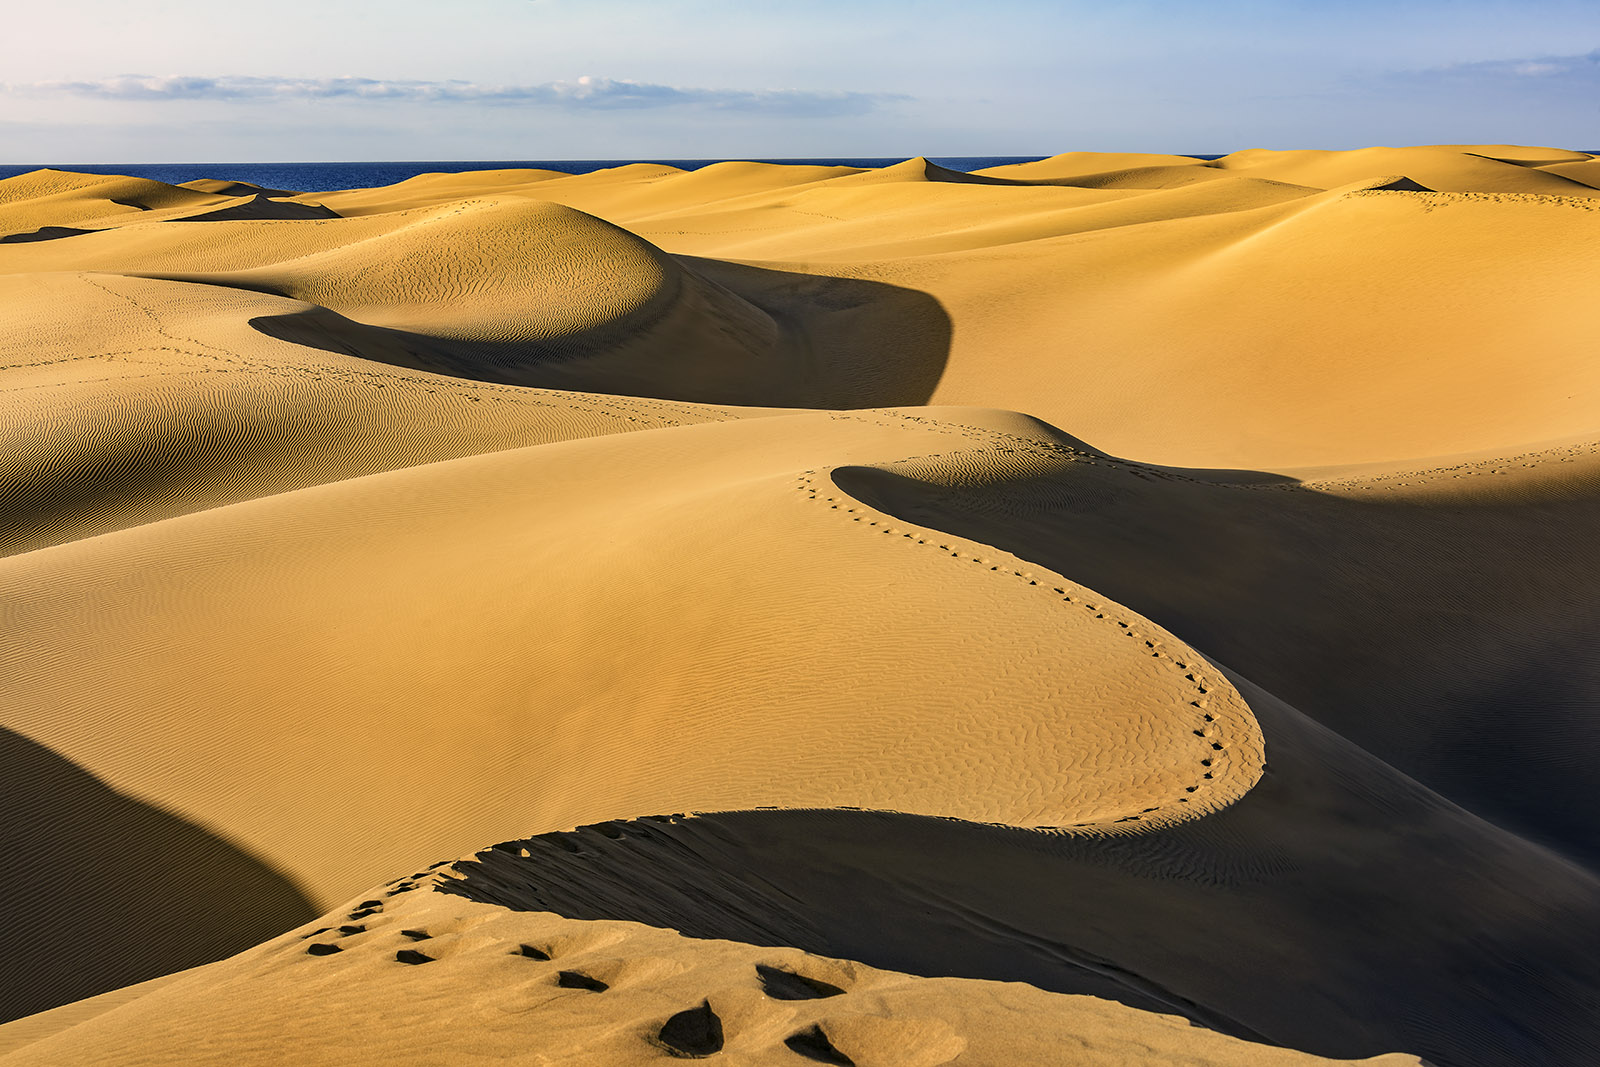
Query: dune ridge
[
  {"x": 600, "y": 992},
  {"x": 1139, "y": 597}
]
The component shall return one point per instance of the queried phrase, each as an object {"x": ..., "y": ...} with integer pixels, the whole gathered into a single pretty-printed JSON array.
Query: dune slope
[
  {"x": 547, "y": 990},
  {"x": 574, "y": 662}
]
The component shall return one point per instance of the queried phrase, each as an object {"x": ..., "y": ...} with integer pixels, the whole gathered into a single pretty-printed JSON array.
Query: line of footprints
[{"x": 694, "y": 1033}]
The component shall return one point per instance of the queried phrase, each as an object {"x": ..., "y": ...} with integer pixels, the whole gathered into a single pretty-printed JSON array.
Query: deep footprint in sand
[
  {"x": 813, "y": 1044},
  {"x": 694, "y": 1033},
  {"x": 579, "y": 980},
  {"x": 788, "y": 985}
]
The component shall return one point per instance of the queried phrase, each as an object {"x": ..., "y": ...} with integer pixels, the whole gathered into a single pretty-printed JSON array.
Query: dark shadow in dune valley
[
  {"x": 149, "y": 893},
  {"x": 723, "y": 334}
]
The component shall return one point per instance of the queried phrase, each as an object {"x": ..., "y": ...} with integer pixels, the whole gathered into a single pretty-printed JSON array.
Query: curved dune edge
[
  {"x": 71, "y": 842},
  {"x": 1115, "y": 730},
  {"x": 1400, "y": 564},
  {"x": 1231, "y": 753},
  {"x": 506, "y": 269},
  {"x": 58, "y": 197},
  {"x": 519, "y": 589},
  {"x": 593, "y": 993},
  {"x": 1201, "y": 919},
  {"x": 261, "y": 207},
  {"x": 114, "y": 370}
]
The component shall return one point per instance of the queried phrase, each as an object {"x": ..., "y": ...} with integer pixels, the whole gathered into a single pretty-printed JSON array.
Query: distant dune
[{"x": 1117, "y": 609}]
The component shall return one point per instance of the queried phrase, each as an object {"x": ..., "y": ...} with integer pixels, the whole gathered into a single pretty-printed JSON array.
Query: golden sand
[{"x": 1110, "y": 610}]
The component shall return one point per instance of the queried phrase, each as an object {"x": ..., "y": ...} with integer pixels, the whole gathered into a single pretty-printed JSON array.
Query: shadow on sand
[
  {"x": 727, "y": 334},
  {"x": 1451, "y": 635},
  {"x": 1268, "y": 921},
  {"x": 1340, "y": 907},
  {"x": 103, "y": 891}
]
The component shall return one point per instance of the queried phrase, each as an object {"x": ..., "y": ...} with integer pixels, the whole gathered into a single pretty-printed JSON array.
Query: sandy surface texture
[
  {"x": 1110, "y": 610},
  {"x": 410, "y": 975}
]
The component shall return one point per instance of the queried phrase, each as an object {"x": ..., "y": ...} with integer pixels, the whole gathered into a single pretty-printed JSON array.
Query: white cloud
[
  {"x": 585, "y": 93},
  {"x": 1583, "y": 67}
]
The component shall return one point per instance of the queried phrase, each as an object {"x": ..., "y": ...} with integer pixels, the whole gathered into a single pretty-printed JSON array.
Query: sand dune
[
  {"x": 1584, "y": 170},
  {"x": 43, "y": 233},
  {"x": 1157, "y": 581},
  {"x": 1204, "y": 919},
  {"x": 1396, "y": 322},
  {"x": 1410, "y": 610},
  {"x": 1447, "y": 169},
  {"x": 53, "y": 197},
  {"x": 231, "y": 188},
  {"x": 741, "y": 509},
  {"x": 918, "y": 169},
  {"x": 595, "y": 993},
  {"x": 1086, "y": 164},
  {"x": 259, "y": 207}
]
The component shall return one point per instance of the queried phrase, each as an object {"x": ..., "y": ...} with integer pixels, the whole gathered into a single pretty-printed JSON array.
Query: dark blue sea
[{"x": 326, "y": 177}]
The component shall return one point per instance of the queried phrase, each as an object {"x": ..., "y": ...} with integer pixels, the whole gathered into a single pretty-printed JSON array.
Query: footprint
[
  {"x": 411, "y": 955},
  {"x": 416, "y": 935},
  {"x": 579, "y": 980},
  {"x": 322, "y": 950},
  {"x": 694, "y": 1033},
  {"x": 787, "y": 985},
  {"x": 346, "y": 931},
  {"x": 532, "y": 953},
  {"x": 363, "y": 913},
  {"x": 813, "y": 1044}
]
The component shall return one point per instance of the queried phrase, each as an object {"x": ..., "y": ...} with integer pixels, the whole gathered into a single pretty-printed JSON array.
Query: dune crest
[
  {"x": 1129, "y": 728},
  {"x": 919, "y": 169},
  {"x": 598, "y": 993},
  {"x": 260, "y": 207}
]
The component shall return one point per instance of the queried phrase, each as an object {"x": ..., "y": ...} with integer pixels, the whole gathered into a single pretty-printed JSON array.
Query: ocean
[{"x": 326, "y": 177}]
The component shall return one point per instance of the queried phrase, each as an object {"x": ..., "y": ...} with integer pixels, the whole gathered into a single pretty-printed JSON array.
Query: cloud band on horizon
[
  {"x": 1585, "y": 66},
  {"x": 586, "y": 93}
]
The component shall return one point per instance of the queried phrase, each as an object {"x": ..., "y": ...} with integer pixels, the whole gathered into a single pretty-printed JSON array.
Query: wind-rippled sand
[{"x": 1110, "y": 610}]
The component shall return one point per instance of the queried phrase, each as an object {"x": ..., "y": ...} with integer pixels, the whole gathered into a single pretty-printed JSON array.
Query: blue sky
[{"x": 194, "y": 80}]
